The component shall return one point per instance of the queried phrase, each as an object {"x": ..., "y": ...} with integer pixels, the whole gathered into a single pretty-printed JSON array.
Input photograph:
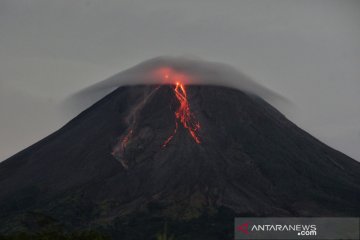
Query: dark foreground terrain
[{"x": 95, "y": 177}]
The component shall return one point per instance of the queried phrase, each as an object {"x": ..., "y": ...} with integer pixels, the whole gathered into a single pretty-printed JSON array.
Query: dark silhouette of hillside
[{"x": 251, "y": 161}]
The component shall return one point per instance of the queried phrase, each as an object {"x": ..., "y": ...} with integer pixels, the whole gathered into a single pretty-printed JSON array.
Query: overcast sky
[{"x": 307, "y": 51}]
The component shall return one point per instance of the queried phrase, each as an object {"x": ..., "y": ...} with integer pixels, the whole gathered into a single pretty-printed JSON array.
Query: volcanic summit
[{"x": 193, "y": 156}]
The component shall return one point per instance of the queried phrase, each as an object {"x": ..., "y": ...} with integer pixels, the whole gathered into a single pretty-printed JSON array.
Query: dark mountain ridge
[{"x": 251, "y": 161}]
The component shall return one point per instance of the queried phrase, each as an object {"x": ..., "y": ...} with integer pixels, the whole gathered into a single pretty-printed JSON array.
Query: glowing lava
[
  {"x": 121, "y": 147},
  {"x": 184, "y": 116}
]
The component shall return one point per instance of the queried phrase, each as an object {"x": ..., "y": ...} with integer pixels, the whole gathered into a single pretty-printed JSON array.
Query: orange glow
[
  {"x": 121, "y": 147},
  {"x": 170, "y": 76},
  {"x": 125, "y": 140},
  {"x": 184, "y": 115},
  {"x": 171, "y": 136}
]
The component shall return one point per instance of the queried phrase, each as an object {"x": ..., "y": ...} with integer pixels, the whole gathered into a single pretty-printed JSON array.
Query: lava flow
[
  {"x": 184, "y": 116},
  {"x": 120, "y": 148}
]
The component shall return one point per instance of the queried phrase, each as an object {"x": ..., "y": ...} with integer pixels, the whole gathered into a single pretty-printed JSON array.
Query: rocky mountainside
[{"x": 193, "y": 156}]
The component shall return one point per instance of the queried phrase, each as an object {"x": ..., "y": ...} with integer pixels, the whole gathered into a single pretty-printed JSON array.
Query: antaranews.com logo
[
  {"x": 302, "y": 230},
  {"x": 297, "y": 228}
]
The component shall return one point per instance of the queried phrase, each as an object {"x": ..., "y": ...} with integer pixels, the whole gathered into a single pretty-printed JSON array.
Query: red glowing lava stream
[{"x": 184, "y": 116}]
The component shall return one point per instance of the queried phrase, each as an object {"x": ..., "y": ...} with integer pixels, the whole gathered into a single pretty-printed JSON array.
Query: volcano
[{"x": 192, "y": 156}]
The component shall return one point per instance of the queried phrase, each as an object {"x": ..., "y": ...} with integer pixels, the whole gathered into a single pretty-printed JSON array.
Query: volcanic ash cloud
[{"x": 169, "y": 70}]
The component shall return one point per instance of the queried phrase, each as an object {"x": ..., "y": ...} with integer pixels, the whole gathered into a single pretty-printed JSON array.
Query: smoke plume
[{"x": 191, "y": 71}]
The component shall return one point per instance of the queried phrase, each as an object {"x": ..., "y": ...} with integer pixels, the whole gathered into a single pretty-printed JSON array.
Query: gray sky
[{"x": 307, "y": 51}]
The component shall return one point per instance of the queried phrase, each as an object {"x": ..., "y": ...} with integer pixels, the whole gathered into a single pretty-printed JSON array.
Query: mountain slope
[{"x": 110, "y": 163}]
